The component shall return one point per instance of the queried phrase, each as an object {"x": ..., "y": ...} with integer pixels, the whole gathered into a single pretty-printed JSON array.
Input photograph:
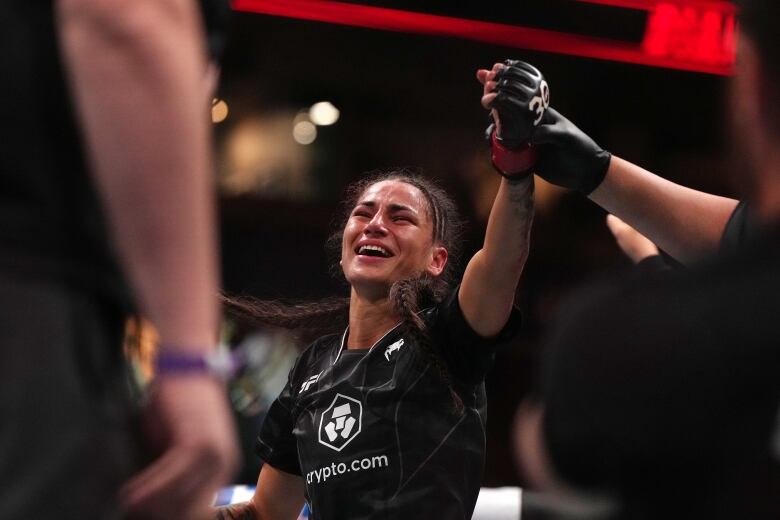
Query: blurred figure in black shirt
[
  {"x": 106, "y": 207},
  {"x": 662, "y": 393}
]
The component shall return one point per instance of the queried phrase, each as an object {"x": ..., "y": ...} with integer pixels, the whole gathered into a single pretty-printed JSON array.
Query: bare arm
[
  {"x": 686, "y": 223},
  {"x": 487, "y": 292},
  {"x": 278, "y": 496},
  {"x": 135, "y": 70}
]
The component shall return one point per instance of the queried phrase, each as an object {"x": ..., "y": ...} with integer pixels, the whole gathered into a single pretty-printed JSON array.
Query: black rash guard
[{"x": 374, "y": 432}]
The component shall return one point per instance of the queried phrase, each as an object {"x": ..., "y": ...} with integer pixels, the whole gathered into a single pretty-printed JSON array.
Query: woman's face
[{"x": 389, "y": 237}]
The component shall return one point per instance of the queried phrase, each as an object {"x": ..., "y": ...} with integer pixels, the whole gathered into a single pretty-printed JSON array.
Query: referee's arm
[
  {"x": 686, "y": 223},
  {"x": 135, "y": 70}
]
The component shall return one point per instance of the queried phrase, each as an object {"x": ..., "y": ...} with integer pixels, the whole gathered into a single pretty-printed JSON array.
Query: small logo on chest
[
  {"x": 393, "y": 348},
  {"x": 306, "y": 384},
  {"x": 341, "y": 422}
]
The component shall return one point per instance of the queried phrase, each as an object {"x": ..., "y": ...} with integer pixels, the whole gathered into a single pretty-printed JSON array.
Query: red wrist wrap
[{"x": 513, "y": 163}]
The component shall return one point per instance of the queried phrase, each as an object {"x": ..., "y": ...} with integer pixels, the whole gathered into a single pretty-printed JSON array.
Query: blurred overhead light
[
  {"x": 302, "y": 115},
  {"x": 219, "y": 110},
  {"x": 304, "y": 132},
  {"x": 258, "y": 157},
  {"x": 323, "y": 113}
]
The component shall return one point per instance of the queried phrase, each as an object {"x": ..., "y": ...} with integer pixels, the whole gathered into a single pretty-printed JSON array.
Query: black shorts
[{"x": 68, "y": 436}]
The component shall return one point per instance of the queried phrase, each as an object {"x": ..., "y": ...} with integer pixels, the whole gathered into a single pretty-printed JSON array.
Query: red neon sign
[
  {"x": 695, "y": 35},
  {"x": 649, "y": 5},
  {"x": 687, "y": 34}
]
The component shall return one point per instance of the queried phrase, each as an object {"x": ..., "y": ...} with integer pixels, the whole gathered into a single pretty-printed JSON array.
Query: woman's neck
[{"x": 369, "y": 320}]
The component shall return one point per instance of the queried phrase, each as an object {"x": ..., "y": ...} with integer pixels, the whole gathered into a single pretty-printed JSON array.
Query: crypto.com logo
[{"x": 341, "y": 422}]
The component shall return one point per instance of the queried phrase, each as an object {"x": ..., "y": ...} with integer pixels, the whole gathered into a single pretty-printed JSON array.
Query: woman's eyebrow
[
  {"x": 401, "y": 207},
  {"x": 393, "y": 207}
]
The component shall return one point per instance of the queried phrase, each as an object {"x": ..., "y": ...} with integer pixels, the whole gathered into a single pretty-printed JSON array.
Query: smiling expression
[{"x": 389, "y": 237}]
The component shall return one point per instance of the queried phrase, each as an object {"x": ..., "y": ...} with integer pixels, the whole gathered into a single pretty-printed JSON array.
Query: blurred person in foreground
[
  {"x": 107, "y": 207},
  {"x": 661, "y": 394}
]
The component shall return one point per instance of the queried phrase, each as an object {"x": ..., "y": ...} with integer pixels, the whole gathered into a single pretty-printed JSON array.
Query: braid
[
  {"x": 316, "y": 318},
  {"x": 405, "y": 297},
  {"x": 408, "y": 297}
]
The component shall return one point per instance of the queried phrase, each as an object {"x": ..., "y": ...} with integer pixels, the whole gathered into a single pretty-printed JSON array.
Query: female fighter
[{"x": 386, "y": 419}]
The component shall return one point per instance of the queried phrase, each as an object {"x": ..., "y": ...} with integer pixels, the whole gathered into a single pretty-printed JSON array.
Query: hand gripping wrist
[
  {"x": 567, "y": 156},
  {"x": 522, "y": 97}
]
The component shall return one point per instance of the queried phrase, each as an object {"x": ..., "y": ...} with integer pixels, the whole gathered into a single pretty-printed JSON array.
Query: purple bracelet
[{"x": 220, "y": 363}]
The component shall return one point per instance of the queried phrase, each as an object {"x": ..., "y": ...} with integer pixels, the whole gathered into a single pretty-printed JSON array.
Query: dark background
[{"x": 410, "y": 100}]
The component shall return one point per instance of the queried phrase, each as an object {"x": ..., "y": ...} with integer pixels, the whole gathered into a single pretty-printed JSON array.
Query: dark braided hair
[
  {"x": 310, "y": 319},
  {"x": 408, "y": 297}
]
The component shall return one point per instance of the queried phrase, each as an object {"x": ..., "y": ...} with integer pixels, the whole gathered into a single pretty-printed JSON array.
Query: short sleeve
[
  {"x": 275, "y": 443},
  {"x": 653, "y": 264},
  {"x": 741, "y": 229},
  {"x": 469, "y": 355}
]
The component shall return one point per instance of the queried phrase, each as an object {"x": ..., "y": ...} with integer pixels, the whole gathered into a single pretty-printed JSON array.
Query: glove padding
[
  {"x": 522, "y": 97},
  {"x": 567, "y": 156}
]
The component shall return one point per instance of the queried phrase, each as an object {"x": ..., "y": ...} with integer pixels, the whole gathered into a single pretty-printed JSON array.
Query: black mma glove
[
  {"x": 567, "y": 156},
  {"x": 522, "y": 96}
]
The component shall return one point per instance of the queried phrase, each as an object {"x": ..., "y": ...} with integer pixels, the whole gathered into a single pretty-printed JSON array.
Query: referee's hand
[
  {"x": 634, "y": 244},
  {"x": 189, "y": 419}
]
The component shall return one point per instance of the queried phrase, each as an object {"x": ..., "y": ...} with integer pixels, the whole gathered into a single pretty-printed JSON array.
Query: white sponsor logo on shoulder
[
  {"x": 306, "y": 384},
  {"x": 341, "y": 422},
  {"x": 394, "y": 347}
]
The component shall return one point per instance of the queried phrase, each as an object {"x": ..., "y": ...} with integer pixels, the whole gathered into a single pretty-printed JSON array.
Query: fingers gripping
[{"x": 522, "y": 98}]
